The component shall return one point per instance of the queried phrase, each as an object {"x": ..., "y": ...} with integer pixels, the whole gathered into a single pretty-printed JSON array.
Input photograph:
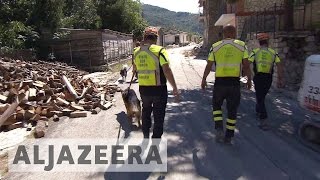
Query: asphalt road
[{"x": 192, "y": 150}]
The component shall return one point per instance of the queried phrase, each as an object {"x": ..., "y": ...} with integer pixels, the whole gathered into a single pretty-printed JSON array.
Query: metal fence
[{"x": 275, "y": 19}]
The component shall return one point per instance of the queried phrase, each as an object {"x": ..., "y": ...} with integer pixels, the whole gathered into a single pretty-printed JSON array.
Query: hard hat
[
  {"x": 151, "y": 31},
  {"x": 262, "y": 36}
]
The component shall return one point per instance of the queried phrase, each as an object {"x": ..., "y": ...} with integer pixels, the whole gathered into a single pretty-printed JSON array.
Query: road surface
[{"x": 192, "y": 150}]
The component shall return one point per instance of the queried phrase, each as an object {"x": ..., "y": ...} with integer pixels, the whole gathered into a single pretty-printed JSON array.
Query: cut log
[
  {"x": 62, "y": 102},
  {"x": 29, "y": 114},
  {"x": 41, "y": 95},
  {"x": 40, "y": 129},
  {"x": 38, "y": 110},
  {"x": 77, "y": 107},
  {"x": 13, "y": 92},
  {"x": 68, "y": 96},
  {"x": 11, "y": 120},
  {"x": 108, "y": 98},
  {"x": 48, "y": 100},
  {"x": 66, "y": 112},
  {"x": 44, "y": 112},
  {"x": 55, "y": 118},
  {"x": 20, "y": 115},
  {"x": 11, "y": 109},
  {"x": 38, "y": 85},
  {"x": 36, "y": 117},
  {"x": 14, "y": 126},
  {"x": 3, "y": 99},
  {"x": 3, "y": 107},
  {"x": 96, "y": 110},
  {"x": 85, "y": 91},
  {"x": 102, "y": 98},
  {"x": 88, "y": 107},
  {"x": 78, "y": 114},
  {"x": 106, "y": 106},
  {"x": 69, "y": 86},
  {"x": 26, "y": 98},
  {"x": 55, "y": 106},
  {"x": 58, "y": 113},
  {"x": 32, "y": 94}
]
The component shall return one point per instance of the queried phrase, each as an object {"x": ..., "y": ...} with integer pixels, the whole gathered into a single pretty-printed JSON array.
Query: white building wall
[
  {"x": 183, "y": 38},
  {"x": 169, "y": 39}
]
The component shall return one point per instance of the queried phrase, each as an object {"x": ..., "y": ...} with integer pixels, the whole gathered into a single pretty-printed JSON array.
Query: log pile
[{"x": 32, "y": 93}]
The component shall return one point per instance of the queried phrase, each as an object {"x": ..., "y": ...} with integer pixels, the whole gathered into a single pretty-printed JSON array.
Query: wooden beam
[
  {"x": 11, "y": 109},
  {"x": 69, "y": 86}
]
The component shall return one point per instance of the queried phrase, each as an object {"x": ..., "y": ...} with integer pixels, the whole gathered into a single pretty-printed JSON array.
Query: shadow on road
[
  {"x": 190, "y": 125},
  {"x": 124, "y": 123}
]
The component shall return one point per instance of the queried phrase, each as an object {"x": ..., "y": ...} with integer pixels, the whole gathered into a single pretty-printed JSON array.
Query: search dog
[{"x": 133, "y": 105}]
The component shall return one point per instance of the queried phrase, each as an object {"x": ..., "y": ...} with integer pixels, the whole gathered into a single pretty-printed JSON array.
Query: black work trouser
[
  {"x": 157, "y": 105},
  {"x": 262, "y": 84},
  {"x": 232, "y": 95}
]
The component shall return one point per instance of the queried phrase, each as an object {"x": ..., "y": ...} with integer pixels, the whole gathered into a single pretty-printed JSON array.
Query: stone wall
[
  {"x": 293, "y": 49},
  {"x": 258, "y": 5},
  {"x": 240, "y": 25}
]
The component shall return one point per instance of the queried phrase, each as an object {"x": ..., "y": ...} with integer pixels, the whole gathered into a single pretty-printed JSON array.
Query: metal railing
[{"x": 275, "y": 19}]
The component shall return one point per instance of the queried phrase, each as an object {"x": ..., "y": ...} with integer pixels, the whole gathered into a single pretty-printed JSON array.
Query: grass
[{"x": 117, "y": 67}]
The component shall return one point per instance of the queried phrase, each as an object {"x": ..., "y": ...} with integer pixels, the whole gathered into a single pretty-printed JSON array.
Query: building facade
[
  {"x": 294, "y": 30},
  {"x": 210, "y": 11}
]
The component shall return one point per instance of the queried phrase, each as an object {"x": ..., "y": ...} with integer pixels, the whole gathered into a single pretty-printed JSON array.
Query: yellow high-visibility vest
[
  {"x": 148, "y": 65},
  {"x": 228, "y": 55},
  {"x": 264, "y": 59}
]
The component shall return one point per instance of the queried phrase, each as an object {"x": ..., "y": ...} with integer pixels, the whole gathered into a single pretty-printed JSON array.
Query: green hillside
[{"x": 156, "y": 16}]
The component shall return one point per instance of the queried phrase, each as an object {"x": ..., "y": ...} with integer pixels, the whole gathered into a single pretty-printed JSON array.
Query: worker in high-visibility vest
[
  {"x": 228, "y": 55},
  {"x": 263, "y": 60},
  {"x": 152, "y": 64}
]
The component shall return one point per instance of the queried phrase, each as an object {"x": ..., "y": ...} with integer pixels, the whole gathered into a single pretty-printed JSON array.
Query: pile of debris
[{"x": 32, "y": 93}]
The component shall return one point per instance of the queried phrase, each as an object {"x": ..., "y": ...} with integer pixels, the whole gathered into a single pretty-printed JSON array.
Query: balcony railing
[{"x": 276, "y": 19}]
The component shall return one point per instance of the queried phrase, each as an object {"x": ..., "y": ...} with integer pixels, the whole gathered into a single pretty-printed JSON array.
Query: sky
[{"x": 175, "y": 5}]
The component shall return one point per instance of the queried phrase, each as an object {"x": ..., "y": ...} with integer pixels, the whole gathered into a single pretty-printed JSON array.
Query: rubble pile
[{"x": 32, "y": 93}]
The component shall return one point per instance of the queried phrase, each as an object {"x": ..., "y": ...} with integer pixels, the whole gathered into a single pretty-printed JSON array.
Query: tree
[
  {"x": 122, "y": 15},
  {"x": 15, "y": 33},
  {"x": 81, "y": 14},
  {"x": 47, "y": 15}
]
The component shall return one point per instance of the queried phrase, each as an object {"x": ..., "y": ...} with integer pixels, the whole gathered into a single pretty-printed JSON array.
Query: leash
[{"x": 131, "y": 80}]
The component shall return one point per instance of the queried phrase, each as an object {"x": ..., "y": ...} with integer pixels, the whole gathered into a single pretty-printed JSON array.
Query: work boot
[
  {"x": 263, "y": 124},
  {"x": 219, "y": 135}
]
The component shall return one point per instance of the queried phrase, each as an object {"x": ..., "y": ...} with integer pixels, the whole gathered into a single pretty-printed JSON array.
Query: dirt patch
[
  {"x": 117, "y": 67},
  {"x": 4, "y": 164}
]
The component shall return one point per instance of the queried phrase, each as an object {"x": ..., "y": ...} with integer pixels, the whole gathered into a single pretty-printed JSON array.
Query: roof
[{"x": 109, "y": 31}]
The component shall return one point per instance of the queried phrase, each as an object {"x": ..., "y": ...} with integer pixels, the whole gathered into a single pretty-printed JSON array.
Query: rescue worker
[
  {"x": 152, "y": 64},
  {"x": 228, "y": 56},
  {"x": 263, "y": 60}
]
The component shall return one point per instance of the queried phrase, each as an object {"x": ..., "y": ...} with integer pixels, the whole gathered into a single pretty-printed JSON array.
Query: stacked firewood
[{"x": 32, "y": 93}]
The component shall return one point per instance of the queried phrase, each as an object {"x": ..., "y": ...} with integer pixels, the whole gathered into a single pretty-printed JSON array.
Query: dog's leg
[
  {"x": 130, "y": 119},
  {"x": 138, "y": 117}
]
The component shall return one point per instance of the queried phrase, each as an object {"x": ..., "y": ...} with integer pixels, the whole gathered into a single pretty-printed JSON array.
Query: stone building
[
  {"x": 294, "y": 42},
  {"x": 210, "y": 11}
]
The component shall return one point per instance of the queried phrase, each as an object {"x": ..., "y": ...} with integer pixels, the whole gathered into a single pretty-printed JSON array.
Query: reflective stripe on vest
[
  {"x": 228, "y": 41},
  {"x": 264, "y": 65},
  {"x": 145, "y": 75},
  {"x": 228, "y": 64}
]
